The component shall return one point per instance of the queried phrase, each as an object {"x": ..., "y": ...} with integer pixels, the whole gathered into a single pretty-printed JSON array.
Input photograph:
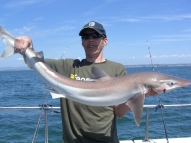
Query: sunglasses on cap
[{"x": 93, "y": 35}]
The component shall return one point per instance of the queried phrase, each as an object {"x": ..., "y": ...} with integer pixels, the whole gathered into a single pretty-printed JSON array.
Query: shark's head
[{"x": 167, "y": 83}]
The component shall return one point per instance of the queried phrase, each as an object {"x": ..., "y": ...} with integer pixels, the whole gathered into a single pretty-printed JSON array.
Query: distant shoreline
[
  {"x": 158, "y": 65},
  {"x": 127, "y": 66}
]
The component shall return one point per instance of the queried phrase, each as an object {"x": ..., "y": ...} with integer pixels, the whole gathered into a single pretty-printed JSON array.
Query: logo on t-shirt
[{"x": 76, "y": 77}]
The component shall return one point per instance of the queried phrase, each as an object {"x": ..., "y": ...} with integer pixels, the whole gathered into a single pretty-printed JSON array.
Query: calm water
[{"x": 23, "y": 88}]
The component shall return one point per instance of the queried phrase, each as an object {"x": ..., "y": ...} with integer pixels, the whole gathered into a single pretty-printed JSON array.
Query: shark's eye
[{"x": 171, "y": 83}]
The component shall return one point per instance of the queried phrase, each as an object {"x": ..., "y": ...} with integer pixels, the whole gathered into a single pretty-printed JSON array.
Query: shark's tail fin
[{"x": 8, "y": 40}]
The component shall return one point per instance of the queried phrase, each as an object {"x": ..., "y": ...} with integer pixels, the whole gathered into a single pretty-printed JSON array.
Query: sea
[{"x": 23, "y": 88}]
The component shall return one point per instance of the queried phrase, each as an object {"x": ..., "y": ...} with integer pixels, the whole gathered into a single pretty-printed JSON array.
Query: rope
[
  {"x": 164, "y": 123},
  {"x": 43, "y": 105},
  {"x": 39, "y": 119}
]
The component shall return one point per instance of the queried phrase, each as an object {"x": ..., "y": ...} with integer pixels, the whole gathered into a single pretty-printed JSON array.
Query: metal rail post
[
  {"x": 46, "y": 125},
  {"x": 147, "y": 126}
]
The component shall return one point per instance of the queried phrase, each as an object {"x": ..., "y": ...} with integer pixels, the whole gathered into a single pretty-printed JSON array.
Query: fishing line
[
  {"x": 150, "y": 56},
  {"x": 64, "y": 52},
  {"x": 160, "y": 103}
]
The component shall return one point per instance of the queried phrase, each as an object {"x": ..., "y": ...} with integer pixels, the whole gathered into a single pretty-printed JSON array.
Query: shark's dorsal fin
[
  {"x": 97, "y": 73},
  {"x": 40, "y": 55},
  {"x": 136, "y": 104}
]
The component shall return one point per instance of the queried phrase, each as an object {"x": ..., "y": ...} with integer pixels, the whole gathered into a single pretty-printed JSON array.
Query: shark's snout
[{"x": 184, "y": 82}]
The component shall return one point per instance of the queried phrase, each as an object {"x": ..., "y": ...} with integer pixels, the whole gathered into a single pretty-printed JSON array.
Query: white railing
[
  {"x": 47, "y": 109},
  {"x": 157, "y": 106}
]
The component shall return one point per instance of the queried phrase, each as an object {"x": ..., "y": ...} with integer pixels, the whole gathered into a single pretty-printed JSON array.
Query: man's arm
[{"x": 121, "y": 110}]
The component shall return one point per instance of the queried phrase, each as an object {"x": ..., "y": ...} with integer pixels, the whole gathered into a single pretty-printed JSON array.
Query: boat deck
[{"x": 171, "y": 140}]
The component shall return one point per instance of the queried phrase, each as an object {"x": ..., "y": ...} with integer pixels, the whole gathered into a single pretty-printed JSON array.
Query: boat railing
[{"x": 48, "y": 108}]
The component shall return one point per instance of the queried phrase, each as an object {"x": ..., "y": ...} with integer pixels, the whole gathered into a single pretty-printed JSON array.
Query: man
[{"x": 83, "y": 123}]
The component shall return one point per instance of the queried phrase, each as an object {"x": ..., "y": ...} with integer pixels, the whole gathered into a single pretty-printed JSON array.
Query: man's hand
[
  {"x": 151, "y": 92},
  {"x": 21, "y": 44}
]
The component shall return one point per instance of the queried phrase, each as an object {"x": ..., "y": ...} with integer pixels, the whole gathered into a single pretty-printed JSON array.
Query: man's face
[{"x": 93, "y": 47}]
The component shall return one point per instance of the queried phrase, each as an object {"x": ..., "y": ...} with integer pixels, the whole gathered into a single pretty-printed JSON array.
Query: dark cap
[{"x": 94, "y": 25}]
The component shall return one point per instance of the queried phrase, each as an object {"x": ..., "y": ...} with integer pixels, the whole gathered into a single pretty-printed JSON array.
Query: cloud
[
  {"x": 171, "y": 38},
  {"x": 175, "y": 36},
  {"x": 33, "y": 31},
  {"x": 168, "y": 17},
  {"x": 53, "y": 31},
  {"x": 131, "y": 20},
  {"x": 1, "y": 20},
  {"x": 169, "y": 56},
  {"x": 184, "y": 56},
  {"x": 131, "y": 57},
  {"x": 156, "y": 17},
  {"x": 38, "y": 19},
  {"x": 20, "y": 59},
  {"x": 23, "y": 30},
  {"x": 110, "y": 1},
  {"x": 20, "y": 3},
  {"x": 88, "y": 13},
  {"x": 188, "y": 30},
  {"x": 63, "y": 28}
]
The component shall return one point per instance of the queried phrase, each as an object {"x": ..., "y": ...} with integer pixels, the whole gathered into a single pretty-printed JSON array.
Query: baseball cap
[{"x": 94, "y": 25}]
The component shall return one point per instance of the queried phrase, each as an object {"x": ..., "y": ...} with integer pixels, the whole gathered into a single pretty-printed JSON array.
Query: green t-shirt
[{"x": 82, "y": 123}]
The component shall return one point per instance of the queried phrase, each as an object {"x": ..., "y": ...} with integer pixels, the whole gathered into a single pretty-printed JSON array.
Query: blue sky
[{"x": 54, "y": 26}]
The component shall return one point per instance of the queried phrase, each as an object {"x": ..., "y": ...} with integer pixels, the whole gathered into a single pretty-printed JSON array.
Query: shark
[{"x": 100, "y": 90}]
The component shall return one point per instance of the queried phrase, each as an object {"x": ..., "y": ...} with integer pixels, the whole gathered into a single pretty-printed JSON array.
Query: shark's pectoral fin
[
  {"x": 136, "y": 105},
  {"x": 54, "y": 93}
]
